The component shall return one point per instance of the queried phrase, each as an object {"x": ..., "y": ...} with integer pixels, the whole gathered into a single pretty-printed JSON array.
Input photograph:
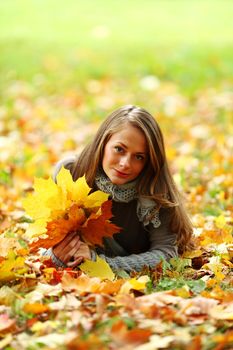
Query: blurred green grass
[{"x": 188, "y": 42}]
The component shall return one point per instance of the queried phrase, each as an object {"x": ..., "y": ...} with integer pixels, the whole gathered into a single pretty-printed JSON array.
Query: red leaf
[{"x": 98, "y": 227}]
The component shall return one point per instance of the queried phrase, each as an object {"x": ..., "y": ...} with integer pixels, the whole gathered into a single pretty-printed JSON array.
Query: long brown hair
[{"x": 155, "y": 181}]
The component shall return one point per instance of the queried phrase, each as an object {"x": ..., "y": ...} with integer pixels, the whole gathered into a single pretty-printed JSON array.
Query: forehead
[{"x": 130, "y": 136}]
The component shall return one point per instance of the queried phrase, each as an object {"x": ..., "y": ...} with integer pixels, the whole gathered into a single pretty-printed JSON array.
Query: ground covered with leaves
[
  {"x": 186, "y": 303},
  {"x": 62, "y": 72}
]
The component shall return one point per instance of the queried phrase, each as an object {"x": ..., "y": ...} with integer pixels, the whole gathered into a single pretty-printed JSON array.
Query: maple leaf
[
  {"x": 99, "y": 226},
  {"x": 57, "y": 229},
  {"x": 67, "y": 206},
  {"x": 78, "y": 191},
  {"x": 98, "y": 268}
]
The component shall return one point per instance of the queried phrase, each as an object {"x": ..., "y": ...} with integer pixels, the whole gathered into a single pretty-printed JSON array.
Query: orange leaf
[
  {"x": 82, "y": 284},
  {"x": 91, "y": 341},
  {"x": 138, "y": 336},
  {"x": 99, "y": 226},
  {"x": 110, "y": 287},
  {"x": 122, "y": 335},
  {"x": 35, "y": 308},
  {"x": 57, "y": 229},
  {"x": 217, "y": 236}
]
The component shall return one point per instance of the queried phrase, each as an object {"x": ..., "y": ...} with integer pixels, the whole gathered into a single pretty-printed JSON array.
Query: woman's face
[{"x": 125, "y": 155}]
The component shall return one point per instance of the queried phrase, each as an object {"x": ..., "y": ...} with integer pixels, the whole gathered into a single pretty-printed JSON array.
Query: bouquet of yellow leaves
[{"x": 66, "y": 206}]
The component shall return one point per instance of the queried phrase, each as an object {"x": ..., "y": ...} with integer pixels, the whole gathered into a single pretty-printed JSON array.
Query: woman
[{"x": 127, "y": 160}]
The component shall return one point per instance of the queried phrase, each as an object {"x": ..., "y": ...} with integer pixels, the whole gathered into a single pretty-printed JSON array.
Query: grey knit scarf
[{"x": 147, "y": 211}]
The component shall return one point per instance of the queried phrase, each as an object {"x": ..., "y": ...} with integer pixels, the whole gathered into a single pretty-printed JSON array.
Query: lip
[{"x": 120, "y": 174}]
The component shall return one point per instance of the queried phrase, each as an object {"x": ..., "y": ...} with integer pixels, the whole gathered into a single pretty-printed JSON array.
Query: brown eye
[
  {"x": 118, "y": 149},
  {"x": 139, "y": 157}
]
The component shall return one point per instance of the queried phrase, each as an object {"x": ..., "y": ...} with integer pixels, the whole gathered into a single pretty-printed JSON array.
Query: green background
[{"x": 186, "y": 41}]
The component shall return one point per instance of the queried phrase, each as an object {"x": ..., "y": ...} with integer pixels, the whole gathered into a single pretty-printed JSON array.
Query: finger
[
  {"x": 74, "y": 251},
  {"x": 70, "y": 237},
  {"x": 68, "y": 245},
  {"x": 76, "y": 262},
  {"x": 67, "y": 252}
]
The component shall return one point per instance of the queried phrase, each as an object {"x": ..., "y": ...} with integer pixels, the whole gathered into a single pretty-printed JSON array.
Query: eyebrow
[{"x": 122, "y": 144}]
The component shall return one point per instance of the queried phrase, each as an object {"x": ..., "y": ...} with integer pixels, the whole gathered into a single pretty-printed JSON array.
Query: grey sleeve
[
  {"x": 162, "y": 246},
  {"x": 66, "y": 162},
  {"x": 49, "y": 252}
]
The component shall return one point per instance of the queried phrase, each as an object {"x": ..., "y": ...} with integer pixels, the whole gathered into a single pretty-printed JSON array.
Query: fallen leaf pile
[{"x": 186, "y": 303}]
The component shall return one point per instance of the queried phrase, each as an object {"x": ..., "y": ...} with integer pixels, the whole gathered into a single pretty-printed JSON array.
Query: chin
[{"x": 119, "y": 181}]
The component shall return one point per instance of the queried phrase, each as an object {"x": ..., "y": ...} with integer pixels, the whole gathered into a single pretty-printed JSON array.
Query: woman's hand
[{"x": 71, "y": 250}]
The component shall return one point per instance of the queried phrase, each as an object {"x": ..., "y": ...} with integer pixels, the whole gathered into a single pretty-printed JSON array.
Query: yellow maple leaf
[
  {"x": 65, "y": 181},
  {"x": 96, "y": 199},
  {"x": 78, "y": 191},
  {"x": 98, "y": 268},
  {"x": 35, "y": 207},
  {"x": 47, "y": 201}
]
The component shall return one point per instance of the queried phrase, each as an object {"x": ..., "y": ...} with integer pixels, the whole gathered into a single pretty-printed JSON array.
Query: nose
[{"x": 125, "y": 162}]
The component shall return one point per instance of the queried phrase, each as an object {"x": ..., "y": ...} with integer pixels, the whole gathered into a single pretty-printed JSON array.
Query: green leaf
[
  {"x": 196, "y": 286},
  {"x": 179, "y": 264}
]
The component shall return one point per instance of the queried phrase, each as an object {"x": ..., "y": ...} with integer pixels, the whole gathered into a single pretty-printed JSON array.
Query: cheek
[
  {"x": 107, "y": 157},
  {"x": 139, "y": 168}
]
